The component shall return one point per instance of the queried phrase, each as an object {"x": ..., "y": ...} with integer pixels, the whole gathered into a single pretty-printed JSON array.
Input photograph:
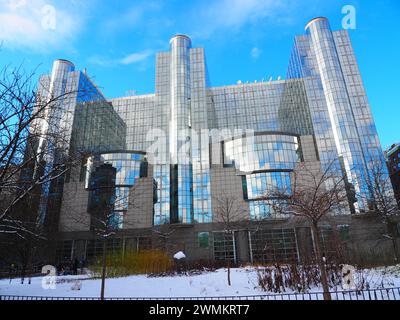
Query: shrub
[
  {"x": 133, "y": 263},
  {"x": 300, "y": 278}
]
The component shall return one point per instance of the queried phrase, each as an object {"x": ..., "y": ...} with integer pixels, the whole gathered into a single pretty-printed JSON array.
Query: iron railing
[{"x": 362, "y": 295}]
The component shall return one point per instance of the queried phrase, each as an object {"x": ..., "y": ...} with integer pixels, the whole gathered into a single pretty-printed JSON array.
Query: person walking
[
  {"x": 12, "y": 271},
  {"x": 75, "y": 267}
]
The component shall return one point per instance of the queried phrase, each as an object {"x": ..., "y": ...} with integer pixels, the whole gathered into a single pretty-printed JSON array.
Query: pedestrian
[
  {"x": 12, "y": 271},
  {"x": 60, "y": 269},
  {"x": 75, "y": 267}
]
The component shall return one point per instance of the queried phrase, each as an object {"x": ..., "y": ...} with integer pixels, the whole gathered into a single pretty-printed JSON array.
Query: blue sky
[{"x": 244, "y": 40}]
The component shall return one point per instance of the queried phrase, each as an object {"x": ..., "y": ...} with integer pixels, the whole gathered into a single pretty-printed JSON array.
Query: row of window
[{"x": 266, "y": 246}]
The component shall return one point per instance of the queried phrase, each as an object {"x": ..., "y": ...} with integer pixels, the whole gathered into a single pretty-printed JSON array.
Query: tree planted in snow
[
  {"x": 314, "y": 193},
  {"x": 232, "y": 215},
  {"x": 382, "y": 200}
]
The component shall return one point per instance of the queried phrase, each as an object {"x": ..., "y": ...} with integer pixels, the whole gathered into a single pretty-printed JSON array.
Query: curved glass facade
[
  {"x": 263, "y": 209},
  {"x": 267, "y": 159},
  {"x": 321, "y": 56},
  {"x": 129, "y": 166},
  {"x": 259, "y": 184},
  {"x": 181, "y": 174},
  {"x": 263, "y": 152},
  {"x": 62, "y": 90}
]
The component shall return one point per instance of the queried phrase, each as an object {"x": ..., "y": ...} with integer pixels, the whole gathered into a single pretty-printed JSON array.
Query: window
[
  {"x": 224, "y": 247},
  {"x": 95, "y": 247},
  {"x": 327, "y": 238},
  {"x": 331, "y": 240},
  {"x": 64, "y": 251},
  {"x": 204, "y": 239},
  {"x": 272, "y": 246},
  {"x": 344, "y": 232},
  {"x": 116, "y": 221}
]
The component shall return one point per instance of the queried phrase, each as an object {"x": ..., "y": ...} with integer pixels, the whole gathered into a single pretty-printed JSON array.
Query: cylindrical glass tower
[
  {"x": 53, "y": 126},
  {"x": 180, "y": 95},
  {"x": 180, "y": 137},
  {"x": 339, "y": 106}
]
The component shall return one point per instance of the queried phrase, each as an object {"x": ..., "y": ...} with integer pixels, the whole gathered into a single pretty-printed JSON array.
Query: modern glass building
[{"x": 200, "y": 143}]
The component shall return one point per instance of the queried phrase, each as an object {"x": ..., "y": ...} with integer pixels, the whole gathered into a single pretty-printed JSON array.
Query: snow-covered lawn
[
  {"x": 207, "y": 284},
  {"x": 210, "y": 284}
]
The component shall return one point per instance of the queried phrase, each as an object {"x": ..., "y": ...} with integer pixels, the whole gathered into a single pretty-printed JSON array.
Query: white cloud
[
  {"x": 15, "y": 4},
  {"x": 255, "y": 53},
  {"x": 136, "y": 57},
  {"x": 31, "y": 25},
  {"x": 126, "y": 60},
  {"x": 222, "y": 15}
]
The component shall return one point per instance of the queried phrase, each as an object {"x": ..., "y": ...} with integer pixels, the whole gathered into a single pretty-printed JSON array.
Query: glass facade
[
  {"x": 97, "y": 127},
  {"x": 129, "y": 167},
  {"x": 179, "y": 134},
  {"x": 322, "y": 100},
  {"x": 343, "y": 125},
  {"x": 263, "y": 152},
  {"x": 259, "y": 184},
  {"x": 61, "y": 92},
  {"x": 266, "y": 161}
]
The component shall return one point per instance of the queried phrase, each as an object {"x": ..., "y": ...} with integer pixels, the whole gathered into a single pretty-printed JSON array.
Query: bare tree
[
  {"x": 101, "y": 208},
  {"x": 32, "y": 152},
  {"x": 232, "y": 215},
  {"x": 163, "y": 234},
  {"x": 314, "y": 194},
  {"x": 382, "y": 200},
  {"x": 104, "y": 210}
]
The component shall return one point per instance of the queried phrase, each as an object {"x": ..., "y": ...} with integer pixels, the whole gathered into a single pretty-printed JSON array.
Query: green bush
[{"x": 133, "y": 263}]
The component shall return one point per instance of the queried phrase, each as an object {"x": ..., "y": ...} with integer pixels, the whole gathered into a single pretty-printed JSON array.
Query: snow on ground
[
  {"x": 211, "y": 284},
  {"x": 207, "y": 284}
]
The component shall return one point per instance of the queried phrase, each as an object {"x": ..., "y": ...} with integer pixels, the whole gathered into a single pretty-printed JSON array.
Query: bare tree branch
[{"x": 31, "y": 157}]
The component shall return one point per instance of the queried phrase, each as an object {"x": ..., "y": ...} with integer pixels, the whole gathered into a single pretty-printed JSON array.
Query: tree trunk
[
  {"x": 396, "y": 255},
  {"x": 320, "y": 261},
  {"x": 229, "y": 273},
  {"x": 103, "y": 272},
  {"x": 392, "y": 233},
  {"x": 25, "y": 262},
  {"x": 23, "y": 271}
]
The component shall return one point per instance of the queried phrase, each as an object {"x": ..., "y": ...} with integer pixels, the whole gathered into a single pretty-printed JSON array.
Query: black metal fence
[{"x": 364, "y": 295}]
